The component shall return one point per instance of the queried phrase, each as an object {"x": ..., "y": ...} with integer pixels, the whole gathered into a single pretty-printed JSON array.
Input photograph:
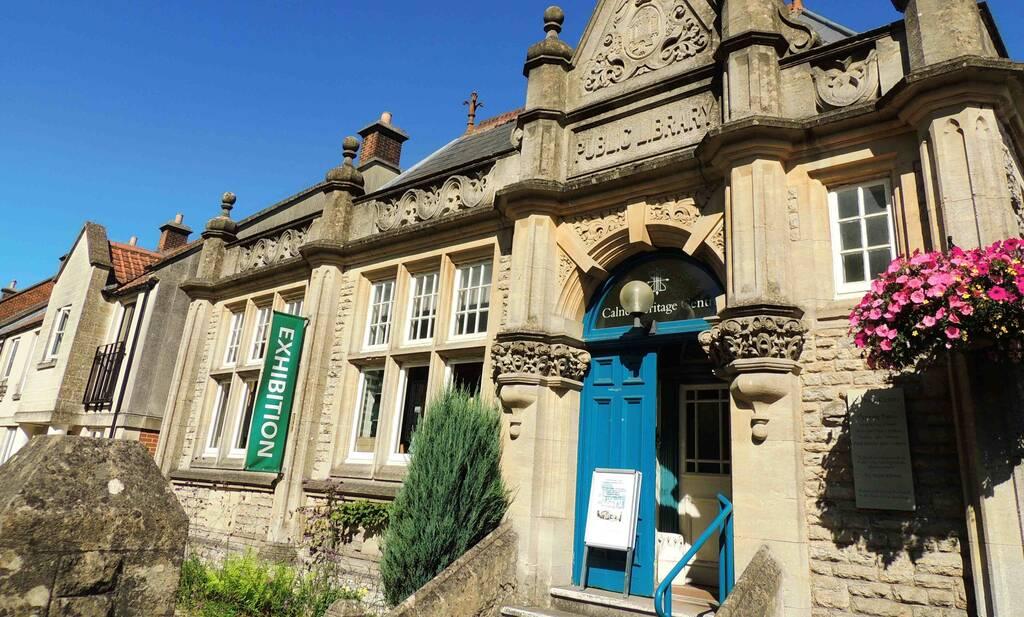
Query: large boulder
[{"x": 90, "y": 528}]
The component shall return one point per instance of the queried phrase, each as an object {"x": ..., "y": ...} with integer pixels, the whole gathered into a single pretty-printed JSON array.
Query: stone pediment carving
[
  {"x": 270, "y": 250},
  {"x": 643, "y": 36},
  {"x": 846, "y": 82},
  {"x": 456, "y": 194},
  {"x": 800, "y": 37}
]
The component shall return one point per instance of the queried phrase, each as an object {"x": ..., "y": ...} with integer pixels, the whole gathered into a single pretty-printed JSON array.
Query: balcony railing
[{"x": 99, "y": 391}]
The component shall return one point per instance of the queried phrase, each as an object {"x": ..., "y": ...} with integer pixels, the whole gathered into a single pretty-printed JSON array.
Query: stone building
[
  {"x": 85, "y": 352},
  {"x": 754, "y": 165}
]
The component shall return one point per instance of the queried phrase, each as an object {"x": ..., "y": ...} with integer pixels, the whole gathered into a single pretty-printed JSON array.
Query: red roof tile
[
  {"x": 37, "y": 295},
  {"x": 144, "y": 278},
  {"x": 129, "y": 261}
]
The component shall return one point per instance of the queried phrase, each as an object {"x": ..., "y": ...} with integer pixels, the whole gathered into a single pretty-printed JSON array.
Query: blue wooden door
[{"x": 618, "y": 419}]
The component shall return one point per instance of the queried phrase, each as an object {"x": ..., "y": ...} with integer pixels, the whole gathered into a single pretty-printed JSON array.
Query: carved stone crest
[
  {"x": 271, "y": 250},
  {"x": 846, "y": 83},
  {"x": 539, "y": 358},
  {"x": 754, "y": 337},
  {"x": 456, "y": 194},
  {"x": 645, "y": 36}
]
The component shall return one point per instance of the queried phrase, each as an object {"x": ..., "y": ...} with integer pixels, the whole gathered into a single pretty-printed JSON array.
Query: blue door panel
[{"x": 617, "y": 431}]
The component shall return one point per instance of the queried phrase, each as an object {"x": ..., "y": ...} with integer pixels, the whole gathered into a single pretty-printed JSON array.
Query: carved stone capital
[
  {"x": 539, "y": 355},
  {"x": 755, "y": 333}
]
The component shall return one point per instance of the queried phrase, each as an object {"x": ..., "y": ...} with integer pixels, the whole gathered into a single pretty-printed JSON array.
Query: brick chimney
[
  {"x": 381, "y": 152},
  {"x": 9, "y": 291},
  {"x": 173, "y": 234}
]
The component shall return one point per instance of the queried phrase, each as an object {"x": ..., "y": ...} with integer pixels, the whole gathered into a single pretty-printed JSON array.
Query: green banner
[{"x": 273, "y": 407}]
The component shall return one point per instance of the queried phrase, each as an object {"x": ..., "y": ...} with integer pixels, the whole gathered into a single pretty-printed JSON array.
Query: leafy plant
[
  {"x": 338, "y": 522},
  {"x": 243, "y": 586},
  {"x": 452, "y": 497},
  {"x": 933, "y": 302}
]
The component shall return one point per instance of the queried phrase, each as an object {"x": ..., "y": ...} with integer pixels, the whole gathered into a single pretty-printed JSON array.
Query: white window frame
[
  {"x": 394, "y": 456},
  {"x": 370, "y": 318},
  {"x": 261, "y": 333},
  {"x": 294, "y": 306},
  {"x": 233, "y": 343},
  {"x": 723, "y": 427},
  {"x": 221, "y": 407},
  {"x": 459, "y": 270},
  {"x": 12, "y": 353},
  {"x": 57, "y": 332},
  {"x": 857, "y": 287},
  {"x": 248, "y": 392},
  {"x": 357, "y": 418},
  {"x": 449, "y": 373},
  {"x": 27, "y": 365},
  {"x": 412, "y": 319}
]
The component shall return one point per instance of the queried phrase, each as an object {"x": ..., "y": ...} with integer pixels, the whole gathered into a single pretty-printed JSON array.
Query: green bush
[
  {"x": 244, "y": 586},
  {"x": 452, "y": 497}
]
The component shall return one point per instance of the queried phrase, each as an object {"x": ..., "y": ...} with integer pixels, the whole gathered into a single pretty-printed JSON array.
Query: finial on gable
[
  {"x": 347, "y": 172},
  {"x": 552, "y": 50},
  {"x": 474, "y": 103},
  {"x": 554, "y": 17},
  {"x": 222, "y": 225}
]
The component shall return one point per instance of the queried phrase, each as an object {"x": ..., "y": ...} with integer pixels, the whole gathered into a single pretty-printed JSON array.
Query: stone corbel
[
  {"x": 758, "y": 349},
  {"x": 525, "y": 361}
]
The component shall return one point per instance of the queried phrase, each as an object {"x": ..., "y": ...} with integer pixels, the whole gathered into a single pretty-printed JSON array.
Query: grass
[{"x": 244, "y": 586}]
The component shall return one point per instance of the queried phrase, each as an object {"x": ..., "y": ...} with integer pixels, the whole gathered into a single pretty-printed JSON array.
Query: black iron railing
[{"x": 99, "y": 391}]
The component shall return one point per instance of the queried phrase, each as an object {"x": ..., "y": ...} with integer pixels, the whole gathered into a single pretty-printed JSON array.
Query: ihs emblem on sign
[{"x": 658, "y": 284}]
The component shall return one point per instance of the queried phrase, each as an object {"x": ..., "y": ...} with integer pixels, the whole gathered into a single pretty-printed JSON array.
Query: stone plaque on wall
[
  {"x": 880, "y": 448},
  {"x": 666, "y": 127}
]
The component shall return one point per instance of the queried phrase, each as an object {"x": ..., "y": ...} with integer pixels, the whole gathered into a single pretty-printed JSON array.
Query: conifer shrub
[{"x": 453, "y": 495}]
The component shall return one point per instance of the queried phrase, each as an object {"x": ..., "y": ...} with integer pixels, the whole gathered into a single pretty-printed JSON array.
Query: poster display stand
[{"x": 612, "y": 517}]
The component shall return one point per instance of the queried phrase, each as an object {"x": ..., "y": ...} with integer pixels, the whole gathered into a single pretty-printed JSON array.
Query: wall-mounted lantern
[{"x": 637, "y": 298}]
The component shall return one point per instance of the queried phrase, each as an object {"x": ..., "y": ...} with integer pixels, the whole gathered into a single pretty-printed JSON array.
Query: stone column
[
  {"x": 751, "y": 39},
  {"x": 344, "y": 184},
  {"x": 940, "y": 30},
  {"x": 756, "y": 348},
  {"x": 538, "y": 369}
]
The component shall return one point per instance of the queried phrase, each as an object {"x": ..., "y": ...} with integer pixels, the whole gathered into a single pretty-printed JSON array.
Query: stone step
[
  {"x": 533, "y": 611},
  {"x": 598, "y": 603}
]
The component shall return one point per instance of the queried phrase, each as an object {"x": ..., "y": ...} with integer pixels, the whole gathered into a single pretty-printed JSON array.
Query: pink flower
[
  {"x": 998, "y": 294},
  {"x": 939, "y": 314},
  {"x": 877, "y": 286},
  {"x": 966, "y": 310},
  {"x": 861, "y": 340},
  {"x": 944, "y": 279},
  {"x": 937, "y": 292},
  {"x": 886, "y": 345},
  {"x": 1019, "y": 282},
  {"x": 875, "y": 314},
  {"x": 902, "y": 279},
  {"x": 917, "y": 297},
  {"x": 928, "y": 321},
  {"x": 903, "y": 298},
  {"x": 952, "y": 332},
  {"x": 954, "y": 318},
  {"x": 915, "y": 283}
]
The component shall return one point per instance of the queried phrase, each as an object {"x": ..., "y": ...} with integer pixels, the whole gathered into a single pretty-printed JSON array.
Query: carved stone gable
[
  {"x": 643, "y": 36},
  {"x": 846, "y": 82}
]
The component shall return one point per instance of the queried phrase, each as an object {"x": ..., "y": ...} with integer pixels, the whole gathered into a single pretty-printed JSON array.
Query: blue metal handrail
[{"x": 726, "y": 566}]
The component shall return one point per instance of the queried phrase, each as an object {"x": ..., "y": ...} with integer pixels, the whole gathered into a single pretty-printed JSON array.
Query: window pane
[
  {"x": 878, "y": 230},
  {"x": 217, "y": 421},
  {"x": 853, "y": 268},
  {"x": 468, "y": 376},
  {"x": 424, "y": 307},
  {"x": 874, "y": 199},
  {"x": 379, "y": 320},
  {"x": 709, "y": 440},
  {"x": 11, "y": 353},
  {"x": 369, "y": 410},
  {"x": 691, "y": 431},
  {"x": 848, "y": 207},
  {"x": 472, "y": 300},
  {"x": 850, "y": 234},
  {"x": 412, "y": 405},
  {"x": 245, "y": 419},
  {"x": 879, "y": 260}
]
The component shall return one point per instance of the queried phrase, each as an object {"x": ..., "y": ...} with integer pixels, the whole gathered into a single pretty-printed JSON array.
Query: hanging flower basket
[{"x": 931, "y": 303}]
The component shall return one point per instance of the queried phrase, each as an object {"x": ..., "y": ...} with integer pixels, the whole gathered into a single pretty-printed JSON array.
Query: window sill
[
  {"x": 353, "y": 487},
  {"x": 42, "y": 366},
  {"x": 227, "y": 477}
]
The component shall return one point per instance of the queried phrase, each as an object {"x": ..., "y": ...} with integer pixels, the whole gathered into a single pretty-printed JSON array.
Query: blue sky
[{"x": 125, "y": 113}]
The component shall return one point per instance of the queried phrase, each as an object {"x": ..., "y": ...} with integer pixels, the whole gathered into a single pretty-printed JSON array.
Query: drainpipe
[{"x": 129, "y": 359}]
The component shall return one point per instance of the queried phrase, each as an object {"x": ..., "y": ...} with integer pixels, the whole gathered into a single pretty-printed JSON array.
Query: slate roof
[
  {"x": 35, "y": 296},
  {"x": 130, "y": 262},
  {"x": 828, "y": 30},
  {"x": 491, "y": 139}
]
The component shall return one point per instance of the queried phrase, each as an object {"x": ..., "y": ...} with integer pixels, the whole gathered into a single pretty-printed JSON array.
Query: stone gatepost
[{"x": 88, "y": 527}]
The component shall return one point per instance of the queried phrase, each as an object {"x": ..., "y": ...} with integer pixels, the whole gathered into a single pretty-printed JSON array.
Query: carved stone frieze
[
  {"x": 793, "y": 212},
  {"x": 717, "y": 239},
  {"x": 566, "y": 267},
  {"x": 644, "y": 36},
  {"x": 271, "y": 250},
  {"x": 754, "y": 337},
  {"x": 679, "y": 208},
  {"x": 540, "y": 359},
  {"x": 456, "y": 194},
  {"x": 800, "y": 37},
  {"x": 592, "y": 227},
  {"x": 846, "y": 82},
  {"x": 1014, "y": 184}
]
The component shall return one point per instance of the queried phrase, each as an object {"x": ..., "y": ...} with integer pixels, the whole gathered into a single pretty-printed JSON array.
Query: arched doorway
[{"x": 651, "y": 404}]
